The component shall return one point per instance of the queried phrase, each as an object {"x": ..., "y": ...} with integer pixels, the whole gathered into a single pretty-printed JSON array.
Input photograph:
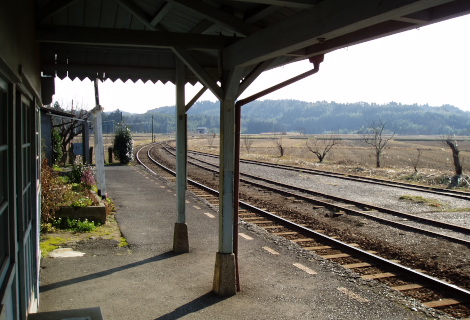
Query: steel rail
[
  {"x": 439, "y": 191},
  {"x": 456, "y": 292},
  {"x": 432, "y": 222}
]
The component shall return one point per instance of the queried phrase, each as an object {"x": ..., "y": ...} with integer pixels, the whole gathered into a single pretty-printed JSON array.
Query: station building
[{"x": 224, "y": 45}]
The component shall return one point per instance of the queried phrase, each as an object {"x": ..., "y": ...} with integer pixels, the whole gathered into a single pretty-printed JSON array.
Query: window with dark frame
[{"x": 4, "y": 210}]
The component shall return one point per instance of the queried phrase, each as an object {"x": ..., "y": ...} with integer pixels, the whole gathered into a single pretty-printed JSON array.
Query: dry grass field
[{"x": 352, "y": 155}]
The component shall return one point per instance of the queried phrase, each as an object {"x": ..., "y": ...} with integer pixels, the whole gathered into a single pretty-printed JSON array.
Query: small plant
[
  {"x": 82, "y": 174},
  {"x": 110, "y": 207},
  {"x": 75, "y": 174},
  {"x": 82, "y": 202},
  {"x": 50, "y": 244},
  {"x": 123, "y": 242},
  {"x": 75, "y": 225},
  {"x": 420, "y": 199},
  {"x": 88, "y": 177}
]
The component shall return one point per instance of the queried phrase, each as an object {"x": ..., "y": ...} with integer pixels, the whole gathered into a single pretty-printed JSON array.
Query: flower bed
[
  {"x": 95, "y": 212},
  {"x": 68, "y": 200}
]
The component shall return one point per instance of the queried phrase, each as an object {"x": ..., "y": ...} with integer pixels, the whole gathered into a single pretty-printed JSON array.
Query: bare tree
[
  {"x": 416, "y": 163},
  {"x": 247, "y": 142},
  {"x": 458, "y": 178},
  {"x": 280, "y": 147},
  {"x": 69, "y": 128},
  {"x": 321, "y": 147},
  {"x": 374, "y": 136},
  {"x": 211, "y": 138}
]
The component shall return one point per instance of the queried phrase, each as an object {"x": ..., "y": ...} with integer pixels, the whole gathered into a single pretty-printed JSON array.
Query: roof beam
[
  {"x": 231, "y": 83},
  {"x": 137, "y": 12},
  {"x": 202, "y": 26},
  {"x": 217, "y": 16},
  {"x": 365, "y": 34},
  {"x": 195, "y": 98},
  {"x": 161, "y": 13},
  {"x": 131, "y": 38},
  {"x": 200, "y": 72},
  {"x": 253, "y": 75},
  {"x": 301, "y": 4},
  {"x": 323, "y": 21},
  {"x": 413, "y": 21},
  {"x": 52, "y": 7},
  {"x": 266, "y": 11}
]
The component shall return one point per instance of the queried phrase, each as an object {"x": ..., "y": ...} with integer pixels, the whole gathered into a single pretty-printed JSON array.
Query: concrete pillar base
[
  {"x": 180, "y": 238},
  {"x": 224, "y": 274}
]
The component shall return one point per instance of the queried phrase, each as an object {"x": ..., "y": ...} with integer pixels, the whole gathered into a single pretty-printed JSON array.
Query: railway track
[
  {"x": 398, "y": 219},
  {"x": 459, "y": 194},
  {"x": 431, "y": 291}
]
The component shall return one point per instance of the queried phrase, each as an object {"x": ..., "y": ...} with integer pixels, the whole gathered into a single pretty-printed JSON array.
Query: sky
[{"x": 429, "y": 65}]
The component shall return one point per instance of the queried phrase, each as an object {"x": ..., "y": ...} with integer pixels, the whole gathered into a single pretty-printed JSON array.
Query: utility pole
[
  {"x": 152, "y": 129},
  {"x": 99, "y": 146}
]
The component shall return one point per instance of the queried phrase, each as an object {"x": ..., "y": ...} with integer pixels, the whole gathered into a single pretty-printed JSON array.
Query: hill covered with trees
[{"x": 306, "y": 117}]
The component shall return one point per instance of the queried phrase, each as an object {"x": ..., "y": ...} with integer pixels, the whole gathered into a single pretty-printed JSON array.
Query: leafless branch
[
  {"x": 278, "y": 143},
  {"x": 374, "y": 136},
  {"x": 321, "y": 147}
]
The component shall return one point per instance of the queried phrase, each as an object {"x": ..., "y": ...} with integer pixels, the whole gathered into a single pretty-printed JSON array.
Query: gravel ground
[
  {"x": 440, "y": 258},
  {"x": 378, "y": 195}
]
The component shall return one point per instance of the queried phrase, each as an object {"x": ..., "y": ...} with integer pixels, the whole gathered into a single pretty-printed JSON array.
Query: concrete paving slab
[
  {"x": 150, "y": 281},
  {"x": 65, "y": 253}
]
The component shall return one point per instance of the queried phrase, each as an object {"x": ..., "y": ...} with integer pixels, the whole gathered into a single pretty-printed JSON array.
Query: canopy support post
[
  {"x": 225, "y": 273},
  {"x": 98, "y": 142},
  {"x": 180, "y": 235}
]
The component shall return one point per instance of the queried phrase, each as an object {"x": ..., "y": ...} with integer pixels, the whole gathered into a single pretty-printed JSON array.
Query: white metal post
[
  {"x": 225, "y": 273},
  {"x": 98, "y": 143},
  {"x": 180, "y": 237},
  {"x": 181, "y": 142},
  {"x": 227, "y": 167}
]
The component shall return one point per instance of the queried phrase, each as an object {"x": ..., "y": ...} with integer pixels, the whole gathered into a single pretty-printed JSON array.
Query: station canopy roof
[{"x": 141, "y": 39}]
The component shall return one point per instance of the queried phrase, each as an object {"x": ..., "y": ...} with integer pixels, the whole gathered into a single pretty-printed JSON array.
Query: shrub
[
  {"x": 88, "y": 177},
  {"x": 57, "y": 151},
  {"x": 75, "y": 175},
  {"x": 81, "y": 174},
  {"x": 52, "y": 192},
  {"x": 123, "y": 147}
]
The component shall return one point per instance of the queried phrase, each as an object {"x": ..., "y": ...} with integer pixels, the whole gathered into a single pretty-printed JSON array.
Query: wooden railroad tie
[
  {"x": 336, "y": 256},
  {"x": 407, "y": 287},
  {"x": 356, "y": 265},
  {"x": 286, "y": 233},
  {"x": 246, "y": 214},
  {"x": 379, "y": 275},
  {"x": 317, "y": 248},
  {"x": 441, "y": 303},
  {"x": 302, "y": 240}
]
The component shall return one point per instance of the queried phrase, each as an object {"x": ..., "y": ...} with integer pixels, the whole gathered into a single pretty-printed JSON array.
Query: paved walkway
[{"x": 149, "y": 281}]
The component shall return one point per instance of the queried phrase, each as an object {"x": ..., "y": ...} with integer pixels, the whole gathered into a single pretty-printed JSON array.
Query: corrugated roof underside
[
  {"x": 112, "y": 63},
  {"x": 136, "y": 63}
]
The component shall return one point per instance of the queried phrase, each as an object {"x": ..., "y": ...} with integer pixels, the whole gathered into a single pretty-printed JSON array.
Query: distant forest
[{"x": 305, "y": 117}]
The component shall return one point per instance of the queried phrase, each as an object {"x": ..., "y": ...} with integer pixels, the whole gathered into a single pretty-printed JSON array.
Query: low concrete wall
[{"x": 93, "y": 213}]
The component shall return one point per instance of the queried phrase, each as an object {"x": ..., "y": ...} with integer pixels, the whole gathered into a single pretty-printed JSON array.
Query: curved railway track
[
  {"x": 459, "y": 194},
  {"x": 415, "y": 223},
  {"x": 431, "y": 291}
]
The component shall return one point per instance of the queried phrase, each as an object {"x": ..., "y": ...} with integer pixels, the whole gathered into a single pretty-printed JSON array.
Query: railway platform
[{"x": 149, "y": 281}]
